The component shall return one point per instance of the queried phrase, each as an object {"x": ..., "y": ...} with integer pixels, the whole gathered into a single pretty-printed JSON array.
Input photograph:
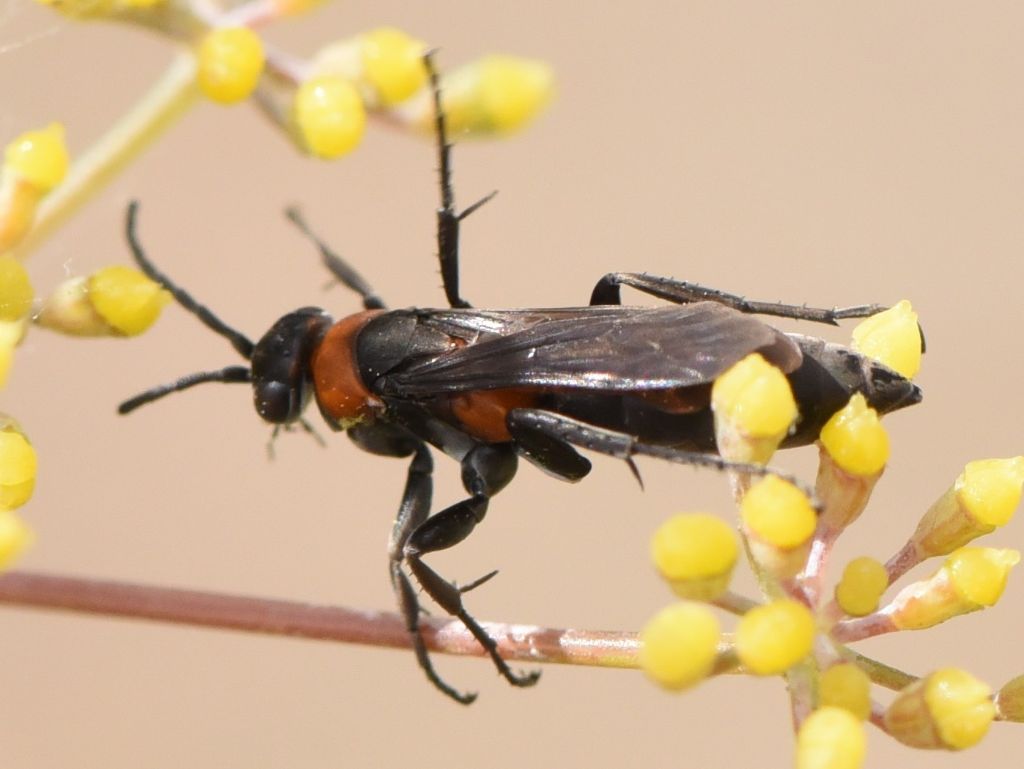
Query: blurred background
[{"x": 828, "y": 153}]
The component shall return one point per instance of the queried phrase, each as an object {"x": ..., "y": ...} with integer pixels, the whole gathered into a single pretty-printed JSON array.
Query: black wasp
[{"x": 487, "y": 387}]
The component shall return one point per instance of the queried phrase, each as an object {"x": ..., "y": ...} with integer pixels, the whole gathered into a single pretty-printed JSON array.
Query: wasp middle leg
[{"x": 486, "y": 469}]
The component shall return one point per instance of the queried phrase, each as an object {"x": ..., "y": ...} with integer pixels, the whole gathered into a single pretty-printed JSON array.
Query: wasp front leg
[{"x": 486, "y": 469}]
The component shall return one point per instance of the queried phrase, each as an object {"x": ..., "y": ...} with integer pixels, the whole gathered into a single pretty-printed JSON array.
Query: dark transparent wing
[{"x": 606, "y": 348}]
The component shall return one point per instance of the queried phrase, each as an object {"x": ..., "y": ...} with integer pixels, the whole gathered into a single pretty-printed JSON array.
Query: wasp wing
[{"x": 604, "y": 348}]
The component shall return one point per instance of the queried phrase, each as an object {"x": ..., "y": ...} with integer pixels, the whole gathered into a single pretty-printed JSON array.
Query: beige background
[{"x": 832, "y": 153}]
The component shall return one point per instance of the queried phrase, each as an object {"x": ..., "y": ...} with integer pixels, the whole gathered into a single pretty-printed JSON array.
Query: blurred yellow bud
[
  {"x": 772, "y": 638},
  {"x": 392, "y": 63},
  {"x": 330, "y": 116},
  {"x": 695, "y": 553},
  {"x": 292, "y": 7},
  {"x": 113, "y": 301},
  {"x": 17, "y": 469},
  {"x": 846, "y": 686},
  {"x": 861, "y": 586},
  {"x": 830, "y": 738},
  {"x": 230, "y": 61},
  {"x": 39, "y": 157},
  {"x": 679, "y": 645},
  {"x": 1010, "y": 700},
  {"x": 497, "y": 94},
  {"x": 948, "y": 709},
  {"x": 126, "y": 299},
  {"x": 778, "y": 513},
  {"x": 16, "y": 292},
  {"x": 11, "y": 334},
  {"x": 779, "y": 522},
  {"x": 15, "y": 537},
  {"x": 892, "y": 337}
]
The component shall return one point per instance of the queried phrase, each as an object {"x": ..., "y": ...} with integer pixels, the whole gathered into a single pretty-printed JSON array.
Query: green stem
[
  {"x": 168, "y": 100},
  {"x": 879, "y": 672}
]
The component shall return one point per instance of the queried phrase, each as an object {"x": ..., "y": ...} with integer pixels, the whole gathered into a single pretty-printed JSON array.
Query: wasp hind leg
[
  {"x": 574, "y": 432},
  {"x": 607, "y": 291},
  {"x": 486, "y": 469}
]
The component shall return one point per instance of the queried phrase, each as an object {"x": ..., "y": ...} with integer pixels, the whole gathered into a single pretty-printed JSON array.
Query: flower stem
[
  {"x": 328, "y": 623},
  {"x": 169, "y": 98},
  {"x": 879, "y": 672}
]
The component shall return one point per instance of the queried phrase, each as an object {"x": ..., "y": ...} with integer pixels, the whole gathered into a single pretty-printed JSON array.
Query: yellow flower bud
[
  {"x": 855, "y": 438},
  {"x": 17, "y": 468},
  {"x": 392, "y": 63},
  {"x": 756, "y": 397},
  {"x": 15, "y": 537},
  {"x": 126, "y": 299},
  {"x": 772, "y": 638},
  {"x": 983, "y": 497},
  {"x": 861, "y": 586},
  {"x": 18, "y": 203},
  {"x": 11, "y": 333},
  {"x": 330, "y": 116},
  {"x": 15, "y": 289},
  {"x": 779, "y": 522},
  {"x": 892, "y": 337},
  {"x": 846, "y": 686},
  {"x": 696, "y": 554},
  {"x": 81, "y": 9},
  {"x": 292, "y": 7},
  {"x": 114, "y": 301},
  {"x": 830, "y": 738},
  {"x": 948, "y": 709},
  {"x": 972, "y": 578},
  {"x": 679, "y": 645},
  {"x": 778, "y": 513},
  {"x": 230, "y": 62},
  {"x": 39, "y": 157},
  {"x": 497, "y": 94},
  {"x": 1010, "y": 700}
]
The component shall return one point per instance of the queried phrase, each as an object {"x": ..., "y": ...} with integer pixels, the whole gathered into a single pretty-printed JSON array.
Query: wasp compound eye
[{"x": 276, "y": 402}]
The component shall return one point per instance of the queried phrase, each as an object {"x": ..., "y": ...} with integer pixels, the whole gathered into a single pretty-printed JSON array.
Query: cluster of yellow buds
[
  {"x": 113, "y": 301},
  {"x": 323, "y": 103},
  {"x": 798, "y": 629}
]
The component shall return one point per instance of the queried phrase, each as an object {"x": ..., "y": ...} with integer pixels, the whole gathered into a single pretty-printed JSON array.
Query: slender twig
[
  {"x": 735, "y": 603},
  {"x": 907, "y": 558},
  {"x": 328, "y": 623},
  {"x": 170, "y": 98},
  {"x": 879, "y": 672}
]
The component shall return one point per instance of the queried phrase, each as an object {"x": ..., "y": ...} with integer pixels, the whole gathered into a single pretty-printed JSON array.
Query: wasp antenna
[
  {"x": 238, "y": 340},
  {"x": 230, "y": 375},
  {"x": 337, "y": 266}
]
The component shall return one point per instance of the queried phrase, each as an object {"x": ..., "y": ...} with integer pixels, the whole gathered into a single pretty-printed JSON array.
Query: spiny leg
[
  {"x": 624, "y": 446},
  {"x": 448, "y": 218},
  {"x": 681, "y": 292},
  {"x": 338, "y": 267},
  {"x": 413, "y": 511},
  {"x": 485, "y": 471}
]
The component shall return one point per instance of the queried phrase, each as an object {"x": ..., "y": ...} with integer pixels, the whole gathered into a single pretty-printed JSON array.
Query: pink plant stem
[
  {"x": 859, "y": 628},
  {"x": 906, "y": 559},
  {"x": 329, "y": 623}
]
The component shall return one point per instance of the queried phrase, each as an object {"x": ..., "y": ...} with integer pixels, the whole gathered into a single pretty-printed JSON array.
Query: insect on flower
[{"x": 487, "y": 387}]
